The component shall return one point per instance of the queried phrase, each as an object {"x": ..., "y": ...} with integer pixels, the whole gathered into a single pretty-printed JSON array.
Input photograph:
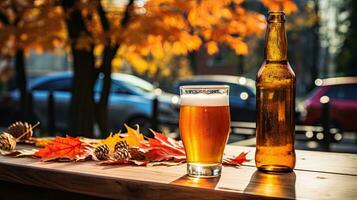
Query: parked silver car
[{"x": 130, "y": 100}]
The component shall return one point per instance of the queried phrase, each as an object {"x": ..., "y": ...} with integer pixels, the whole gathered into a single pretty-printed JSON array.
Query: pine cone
[
  {"x": 7, "y": 142},
  {"x": 17, "y": 130},
  {"x": 121, "y": 145},
  {"x": 121, "y": 151},
  {"x": 136, "y": 154},
  {"x": 102, "y": 152},
  {"x": 121, "y": 154}
]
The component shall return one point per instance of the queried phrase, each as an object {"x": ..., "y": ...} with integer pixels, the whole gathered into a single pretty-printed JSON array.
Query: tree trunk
[
  {"x": 192, "y": 56},
  {"x": 81, "y": 117},
  {"x": 101, "y": 108},
  {"x": 240, "y": 65},
  {"x": 21, "y": 82},
  {"x": 84, "y": 111},
  {"x": 82, "y": 101}
]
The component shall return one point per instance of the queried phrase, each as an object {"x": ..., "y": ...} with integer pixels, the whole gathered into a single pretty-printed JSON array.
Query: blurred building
[{"x": 47, "y": 62}]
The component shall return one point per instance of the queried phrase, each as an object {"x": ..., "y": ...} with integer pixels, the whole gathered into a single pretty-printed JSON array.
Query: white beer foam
[{"x": 204, "y": 100}]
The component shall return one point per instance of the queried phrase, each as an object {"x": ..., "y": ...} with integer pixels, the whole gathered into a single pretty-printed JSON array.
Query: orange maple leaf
[{"x": 63, "y": 148}]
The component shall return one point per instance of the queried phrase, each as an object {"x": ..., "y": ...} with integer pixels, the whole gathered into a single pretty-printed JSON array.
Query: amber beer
[
  {"x": 275, "y": 102},
  {"x": 204, "y": 127}
]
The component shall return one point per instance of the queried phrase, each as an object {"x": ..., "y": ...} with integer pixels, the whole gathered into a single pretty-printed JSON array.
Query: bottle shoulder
[{"x": 275, "y": 73}]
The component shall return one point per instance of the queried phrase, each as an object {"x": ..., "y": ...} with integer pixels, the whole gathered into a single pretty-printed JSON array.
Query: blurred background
[{"x": 87, "y": 67}]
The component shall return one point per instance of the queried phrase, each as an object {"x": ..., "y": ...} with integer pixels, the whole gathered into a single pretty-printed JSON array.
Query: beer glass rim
[{"x": 208, "y": 87}]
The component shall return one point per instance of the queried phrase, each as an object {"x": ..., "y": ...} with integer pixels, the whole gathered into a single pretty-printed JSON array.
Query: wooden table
[{"x": 318, "y": 175}]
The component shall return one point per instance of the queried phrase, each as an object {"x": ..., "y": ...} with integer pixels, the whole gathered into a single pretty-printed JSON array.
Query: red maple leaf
[
  {"x": 238, "y": 160},
  {"x": 63, "y": 148},
  {"x": 163, "y": 148}
]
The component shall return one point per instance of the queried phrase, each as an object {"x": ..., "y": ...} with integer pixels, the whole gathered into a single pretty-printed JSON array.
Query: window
[
  {"x": 348, "y": 91},
  {"x": 64, "y": 85},
  {"x": 115, "y": 87},
  {"x": 240, "y": 91}
]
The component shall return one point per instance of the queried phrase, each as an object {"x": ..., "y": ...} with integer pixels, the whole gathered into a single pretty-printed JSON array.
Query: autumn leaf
[
  {"x": 163, "y": 153},
  {"x": 19, "y": 153},
  {"x": 133, "y": 137},
  {"x": 238, "y": 160},
  {"x": 212, "y": 47},
  {"x": 163, "y": 148},
  {"x": 41, "y": 142},
  {"x": 63, "y": 148},
  {"x": 111, "y": 140}
]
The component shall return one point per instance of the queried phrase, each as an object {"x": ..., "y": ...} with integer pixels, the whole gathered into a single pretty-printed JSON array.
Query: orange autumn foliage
[
  {"x": 157, "y": 28},
  {"x": 30, "y": 24},
  {"x": 69, "y": 148},
  {"x": 180, "y": 27}
]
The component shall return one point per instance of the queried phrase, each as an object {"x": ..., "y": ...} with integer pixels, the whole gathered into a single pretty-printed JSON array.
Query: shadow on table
[
  {"x": 186, "y": 180},
  {"x": 272, "y": 184}
]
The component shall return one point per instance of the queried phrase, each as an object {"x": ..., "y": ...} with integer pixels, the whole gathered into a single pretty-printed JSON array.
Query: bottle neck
[{"x": 275, "y": 42}]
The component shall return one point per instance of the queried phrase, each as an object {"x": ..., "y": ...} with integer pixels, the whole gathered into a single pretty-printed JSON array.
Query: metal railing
[{"x": 325, "y": 134}]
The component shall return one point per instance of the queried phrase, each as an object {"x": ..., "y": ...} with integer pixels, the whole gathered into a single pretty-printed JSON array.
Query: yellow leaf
[
  {"x": 179, "y": 48},
  {"x": 157, "y": 52},
  {"x": 192, "y": 42},
  {"x": 134, "y": 138},
  {"x": 41, "y": 142},
  {"x": 237, "y": 45},
  {"x": 241, "y": 48},
  {"x": 138, "y": 62},
  {"x": 111, "y": 140},
  {"x": 98, "y": 50},
  {"x": 212, "y": 47},
  {"x": 116, "y": 62}
]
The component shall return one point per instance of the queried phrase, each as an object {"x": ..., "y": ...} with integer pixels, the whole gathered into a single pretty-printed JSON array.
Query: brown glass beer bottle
[{"x": 275, "y": 85}]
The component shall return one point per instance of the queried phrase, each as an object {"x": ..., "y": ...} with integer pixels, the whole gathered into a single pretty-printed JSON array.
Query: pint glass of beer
[{"x": 204, "y": 127}]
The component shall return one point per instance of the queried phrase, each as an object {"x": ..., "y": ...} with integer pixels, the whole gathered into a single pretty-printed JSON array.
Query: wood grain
[
  {"x": 160, "y": 182},
  {"x": 325, "y": 162}
]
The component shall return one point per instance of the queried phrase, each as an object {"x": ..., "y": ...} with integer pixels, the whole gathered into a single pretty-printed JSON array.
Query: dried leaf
[
  {"x": 238, "y": 160},
  {"x": 163, "y": 148},
  {"x": 41, "y": 142},
  {"x": 161, "y": 154},
  {"x": 19, "y": 153},
  {"x": 63, "y": 148},
  {"x": 134, "y": 138},
  {"x": 111, "y": 140}
]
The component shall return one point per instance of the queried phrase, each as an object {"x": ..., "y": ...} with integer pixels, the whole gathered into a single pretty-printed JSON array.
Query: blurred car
[
  {"x": 342, "y": 96},
  {"x": 130, "y": 100},
  {"x": 241, "y": 95}
]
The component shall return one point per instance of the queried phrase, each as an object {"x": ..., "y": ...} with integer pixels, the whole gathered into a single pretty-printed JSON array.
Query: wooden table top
[{"x": 318, "y": 175}]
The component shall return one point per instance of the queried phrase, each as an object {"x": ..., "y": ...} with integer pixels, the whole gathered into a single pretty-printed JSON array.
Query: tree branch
[
  {"x": 75, "y": 23},
  {"x": 126, "y": 18},
  {"x": 102, "y": 15}
]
